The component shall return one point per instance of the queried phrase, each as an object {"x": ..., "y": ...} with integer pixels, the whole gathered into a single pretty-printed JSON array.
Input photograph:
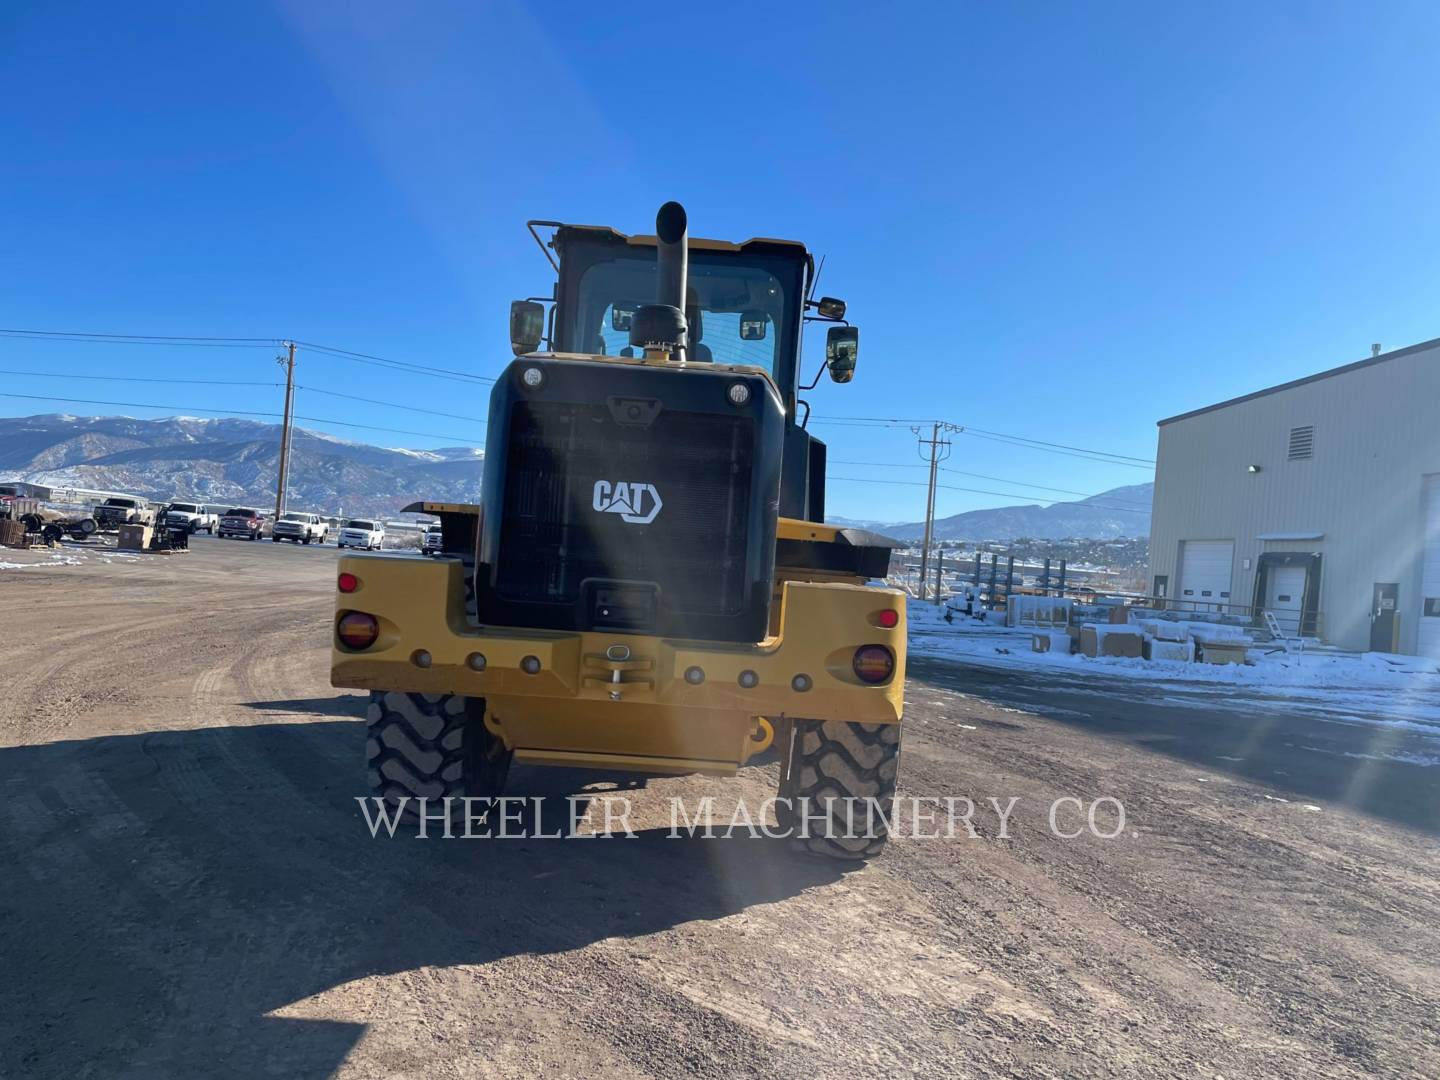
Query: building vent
[{"x": 1302, "y": 442}]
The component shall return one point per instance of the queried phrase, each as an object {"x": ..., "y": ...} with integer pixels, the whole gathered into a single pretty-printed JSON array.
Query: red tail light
[
  {"x": 357, "y": 630},
  {"x": 348, "y": 583},
  {"x": 887, "y": 619},
  {"x": 874, "y": 663}
]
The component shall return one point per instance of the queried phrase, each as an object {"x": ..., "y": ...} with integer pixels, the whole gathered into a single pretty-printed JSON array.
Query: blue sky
[{"x": 1062, "y": 221}]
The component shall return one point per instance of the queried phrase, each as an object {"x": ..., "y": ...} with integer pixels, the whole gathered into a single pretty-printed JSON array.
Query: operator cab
[{"x": 746, "y": 305}]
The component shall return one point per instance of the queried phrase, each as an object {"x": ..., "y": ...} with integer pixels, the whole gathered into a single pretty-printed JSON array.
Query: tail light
[
  {"x": 874, "y": 663},
  {"x": 347, "y": 583},
  {"x": 887, "y": 619},
  {"x": 357, "y": 630}
]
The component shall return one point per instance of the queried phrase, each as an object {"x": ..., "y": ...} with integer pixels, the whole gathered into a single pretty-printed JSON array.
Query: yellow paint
[
  {"x": 795, "y": 529},
  {"x": 581, "y": 703}
]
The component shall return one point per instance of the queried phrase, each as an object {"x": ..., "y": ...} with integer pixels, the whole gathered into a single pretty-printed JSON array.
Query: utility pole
[
  {"x": 939, "y": 450},
  {"x": 282, "y": 481}
]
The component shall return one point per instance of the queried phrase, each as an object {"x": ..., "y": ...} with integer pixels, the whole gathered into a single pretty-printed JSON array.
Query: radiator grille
[{"x": 552, "y": 537}]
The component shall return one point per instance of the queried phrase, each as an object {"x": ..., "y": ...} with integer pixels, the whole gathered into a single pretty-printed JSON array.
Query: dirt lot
[{"x": 189, "y": 890}]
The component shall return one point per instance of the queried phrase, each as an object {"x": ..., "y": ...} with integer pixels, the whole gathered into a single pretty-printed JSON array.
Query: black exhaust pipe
[
  {"x": 661, "y": 325},
  {"x": 674, "y": 259}
]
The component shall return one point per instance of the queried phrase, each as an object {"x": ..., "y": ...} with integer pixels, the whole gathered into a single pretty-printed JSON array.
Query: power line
[
  {"x": 235, "y": 382},
  {"x": 1082, "y": 455},
  {"x": 101, "y": 338},
  {"x": 1089, "y": 454},
  {"x": 133, "y": 378},
  {"x": 975, "y": 491},
  {"x": 1040, "y": 443},
  {"x": 83, "y": 337},
  {"x": 389, "y": 404},
  {"x": 979, "y": 476},
  {"x": 404, "y": 365}
]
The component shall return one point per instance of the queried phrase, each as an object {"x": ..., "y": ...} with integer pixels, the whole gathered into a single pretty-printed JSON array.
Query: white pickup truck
[
  {"x": 196, "y": 517},
  {"x": 362, "y": 533},
  {"x": 299, "y": 528}
]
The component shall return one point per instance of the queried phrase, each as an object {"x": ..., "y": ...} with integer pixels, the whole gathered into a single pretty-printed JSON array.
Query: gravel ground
[{"x": 189, "y": 889}]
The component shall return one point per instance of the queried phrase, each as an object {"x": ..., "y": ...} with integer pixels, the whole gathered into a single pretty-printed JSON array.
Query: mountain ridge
[
  {"x": 231, "y": 461},
  {"x": 1122, "y": 512},
  {"x": 236, "y": 461}
]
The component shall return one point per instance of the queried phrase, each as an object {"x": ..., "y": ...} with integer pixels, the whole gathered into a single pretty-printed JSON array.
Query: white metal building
[{"x": 1318, "y": 500}]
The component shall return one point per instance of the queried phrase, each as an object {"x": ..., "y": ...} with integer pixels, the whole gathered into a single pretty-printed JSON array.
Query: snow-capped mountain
[
  {"x": 1119, "y": 512},
  {"x": 236, "y": 461},
  {"x": 231, "y": 461}
]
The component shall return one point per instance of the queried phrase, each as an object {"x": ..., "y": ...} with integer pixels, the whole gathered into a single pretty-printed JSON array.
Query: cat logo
[{"x": 636, "y": 503}]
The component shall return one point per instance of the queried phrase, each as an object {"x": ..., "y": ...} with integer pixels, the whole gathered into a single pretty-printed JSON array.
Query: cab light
[
  {"x": 348, "y": 583},
  {"x": 887, "y": 619},
  {"x": 873, "y": 663},
  {"x": 357, "y": 630}
]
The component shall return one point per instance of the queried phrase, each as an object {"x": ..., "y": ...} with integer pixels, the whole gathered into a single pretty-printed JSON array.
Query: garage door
[
  {"x": 1205, "y": 571},
  {"x": 1429, "y": 638},
  {"x": 1284, "y": 593}
]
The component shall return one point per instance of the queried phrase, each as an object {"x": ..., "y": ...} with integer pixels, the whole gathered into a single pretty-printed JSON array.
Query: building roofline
[{"x": 1369, "y": 361}]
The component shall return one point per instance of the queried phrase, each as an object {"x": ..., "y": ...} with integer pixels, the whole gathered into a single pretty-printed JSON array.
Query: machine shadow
[
  {"x": 174, "y": 898},
  {"x": 1343, "y": 764}
]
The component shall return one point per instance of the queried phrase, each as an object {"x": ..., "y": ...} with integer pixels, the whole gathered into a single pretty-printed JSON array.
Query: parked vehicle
[
  {"x": 49, "y": 522},
  {"x": 299, "y": 528},
  {"x": 362, "y": 533},
  {"x": 123, "y": 510},
  {"x": 432, "y": 540},
  {"x": 243, "y": 523},
  {"x": 191, "y": 516}
]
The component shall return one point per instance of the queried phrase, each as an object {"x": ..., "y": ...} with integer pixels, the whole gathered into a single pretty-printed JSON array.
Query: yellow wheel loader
[{"x": 648, "y": 584}]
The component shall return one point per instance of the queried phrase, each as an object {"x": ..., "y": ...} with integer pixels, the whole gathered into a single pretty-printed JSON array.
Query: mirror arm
[
  {"x": 822, "y": 318},
  {"x": 815, "y": 382},
  {"x": 802, "y": 401},
  {"x": 543, "y": 249}
]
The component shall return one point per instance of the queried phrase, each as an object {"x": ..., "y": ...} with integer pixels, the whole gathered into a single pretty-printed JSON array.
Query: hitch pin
[{"x": 615, "y": 681}]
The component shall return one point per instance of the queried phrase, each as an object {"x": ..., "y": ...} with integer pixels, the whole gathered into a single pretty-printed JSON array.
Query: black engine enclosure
[{"x": 574, "y": 467}]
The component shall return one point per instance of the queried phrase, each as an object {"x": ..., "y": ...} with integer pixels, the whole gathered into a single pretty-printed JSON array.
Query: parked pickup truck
[
  {"x": 242, "y": 523},
  {"x": 191, "y": 516},
  {"x": 362, "y": 533},
  {"x": 299, "y": 528},
  {"x": 123, "y": 510},
  {"x": 432, "y": 540}
]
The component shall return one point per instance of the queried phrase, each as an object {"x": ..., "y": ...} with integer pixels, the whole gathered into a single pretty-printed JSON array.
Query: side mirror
[
  {"x": 830, "y": 308},
  {"x": 527, "y": 326},
  {"x": 842, "y": 349},
  {"x": 622, "y": 314},
  {"x": 752, "y": 325}
]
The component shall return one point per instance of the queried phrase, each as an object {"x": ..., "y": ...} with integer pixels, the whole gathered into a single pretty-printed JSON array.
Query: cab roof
[{"x": 605, "y": 232}]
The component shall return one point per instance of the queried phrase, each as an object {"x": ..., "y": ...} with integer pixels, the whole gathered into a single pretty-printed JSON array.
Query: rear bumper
[{"x": 581, "y": 707}]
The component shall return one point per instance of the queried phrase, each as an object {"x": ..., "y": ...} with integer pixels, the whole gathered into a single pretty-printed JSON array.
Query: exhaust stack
[
  {"x": 661, "y": 326},
  {"x": 671, "y": 238}
]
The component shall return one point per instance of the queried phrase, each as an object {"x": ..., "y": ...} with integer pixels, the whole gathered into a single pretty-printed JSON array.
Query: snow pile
[{"x": 1364, "y": 687}]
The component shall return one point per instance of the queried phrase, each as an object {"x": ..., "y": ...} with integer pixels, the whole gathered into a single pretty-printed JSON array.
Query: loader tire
[
  {"x": 432, "y": 746},
  {"x": 855, "y": 767}
]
